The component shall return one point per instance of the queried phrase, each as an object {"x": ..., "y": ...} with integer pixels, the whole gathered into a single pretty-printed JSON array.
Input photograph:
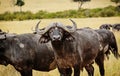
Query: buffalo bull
[
  {"x": 25, "y": 53},
  {"x": 72, "y": 48},
  {"x": 105, "y": 26},
  {"x": 108, "y": 42},
  {"x": 116, "y": 27}
]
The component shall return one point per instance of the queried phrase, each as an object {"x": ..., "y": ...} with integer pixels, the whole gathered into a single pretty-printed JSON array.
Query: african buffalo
[
  {"x": 116, "y": 27},
  {"x": 25, "y": 53},
  {"x": 105, "y": 26},
  {"x": 72, "y": 48},
  {"x": 108, "y": 42}
]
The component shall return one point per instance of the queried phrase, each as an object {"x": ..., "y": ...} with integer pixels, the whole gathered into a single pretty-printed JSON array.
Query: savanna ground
[{"x": 112, "y": 66}]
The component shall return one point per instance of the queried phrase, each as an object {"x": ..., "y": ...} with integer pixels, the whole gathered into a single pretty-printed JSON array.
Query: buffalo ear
[
  {"x": 44, "y": 39},
  {"x": 69, "y": 37}
]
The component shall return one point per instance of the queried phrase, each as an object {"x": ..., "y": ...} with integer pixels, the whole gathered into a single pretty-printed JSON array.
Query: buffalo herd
[
  {"x": 59, "y": 46},
  {"x": 115, "y": 27}
]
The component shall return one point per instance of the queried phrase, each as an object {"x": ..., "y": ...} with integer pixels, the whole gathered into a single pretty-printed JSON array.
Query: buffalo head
[
  {"x": 56, "y": 32},
  {"x": 3, "y": 43}
]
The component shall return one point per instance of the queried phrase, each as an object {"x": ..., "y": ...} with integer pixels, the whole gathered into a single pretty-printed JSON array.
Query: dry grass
[
  {"x": 112, "y": 66},
  {"x": 25, "y": 26},
  {"x": 51, "y": 5}
]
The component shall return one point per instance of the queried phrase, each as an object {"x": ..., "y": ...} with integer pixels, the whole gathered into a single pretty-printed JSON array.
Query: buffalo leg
[
  {"x": 100, "y": 62},
  {"x": 65, "y": 71},
  {"x": 76, "y": 70},
  {"x": 26, "y": 72},
  {"x": 90, "y": 70},
  {"x": 69, "y": 71}
]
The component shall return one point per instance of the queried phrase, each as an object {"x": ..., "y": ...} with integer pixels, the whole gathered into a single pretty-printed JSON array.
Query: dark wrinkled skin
[
  {"x": 108, "y": 42},
  {"x": 25, "y": 53},
  {"x": 77, "y": 50}
]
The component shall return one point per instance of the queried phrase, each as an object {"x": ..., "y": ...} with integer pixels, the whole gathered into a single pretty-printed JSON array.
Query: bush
[
  {"x": 7, "y": 16},
  {"x": 23, "y": 15},
  {"x": 83, "y": 13},
  {"x": 40, "y": 14},
  {"x": 108, "y": 11}
]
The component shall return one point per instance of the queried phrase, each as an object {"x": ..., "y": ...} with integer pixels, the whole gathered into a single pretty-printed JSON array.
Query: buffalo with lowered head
[
  {"x": 105, "y": 26},
  {"x": 72, "y": 48},
  {"x": 25, "y": 53},
  {"x": 116, "y": 27}
]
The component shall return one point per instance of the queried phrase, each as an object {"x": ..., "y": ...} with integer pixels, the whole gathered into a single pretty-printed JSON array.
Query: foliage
[
  {"x": 20, "y": 3},
  {"x": 81, "y": 0},
  {"x": 83, "y": 13},
  {"x": 116, "y": 1}
]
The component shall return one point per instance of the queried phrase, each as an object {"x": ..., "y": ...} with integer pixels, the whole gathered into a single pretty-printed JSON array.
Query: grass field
[
  {"x": 112, "y": 66},
  {"x": 51, "y": 5}
]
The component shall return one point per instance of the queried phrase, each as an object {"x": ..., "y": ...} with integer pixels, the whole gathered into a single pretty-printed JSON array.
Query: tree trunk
[
  {"x": 20, "y": 8},
  {"x": 80, "y": 3}
]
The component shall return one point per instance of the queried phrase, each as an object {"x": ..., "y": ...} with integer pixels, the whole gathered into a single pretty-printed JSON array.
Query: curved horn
[
  {"x": 43, "y": 31},
  {"x": 36, "y": 28},
  {"x": 73, "y": 29}
]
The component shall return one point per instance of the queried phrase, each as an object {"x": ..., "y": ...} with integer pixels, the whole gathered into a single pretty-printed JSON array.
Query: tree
[
  {"x": 20, "y": 3},
  {"x": 116, "y": 1},
  {"x": 81, "y": 2}
]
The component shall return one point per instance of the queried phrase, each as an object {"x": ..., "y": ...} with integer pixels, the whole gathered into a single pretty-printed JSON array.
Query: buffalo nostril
[
  {"x": 59, "y": 37},
  {"x": 56, "y": 37}
]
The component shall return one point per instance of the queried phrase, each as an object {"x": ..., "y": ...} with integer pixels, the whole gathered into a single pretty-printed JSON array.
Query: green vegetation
[
  {"x": 116, "y": 1},
  {"x": 109, "y": 11}
]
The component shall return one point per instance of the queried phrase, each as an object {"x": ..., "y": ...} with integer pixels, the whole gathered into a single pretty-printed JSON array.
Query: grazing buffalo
[
  {"x": 25, "y": 53},
  {"x": 105, "y": 26},
  {"x": 116, "y": 27},
  {"x": 72, "y": 48}
]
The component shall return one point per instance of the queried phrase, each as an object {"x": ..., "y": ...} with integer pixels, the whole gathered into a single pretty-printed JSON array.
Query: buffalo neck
[
  {"x": 63, "y": 48},
  {"x": 57, "y": 45}
]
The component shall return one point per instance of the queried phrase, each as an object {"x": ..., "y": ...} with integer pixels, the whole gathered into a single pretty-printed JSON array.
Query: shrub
[
  {"x": 7, "y": 16},
  {"x": 108, "y": 11},
  {"x": 83, "y": 13},
  {"x": 40, "y": 14}
]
